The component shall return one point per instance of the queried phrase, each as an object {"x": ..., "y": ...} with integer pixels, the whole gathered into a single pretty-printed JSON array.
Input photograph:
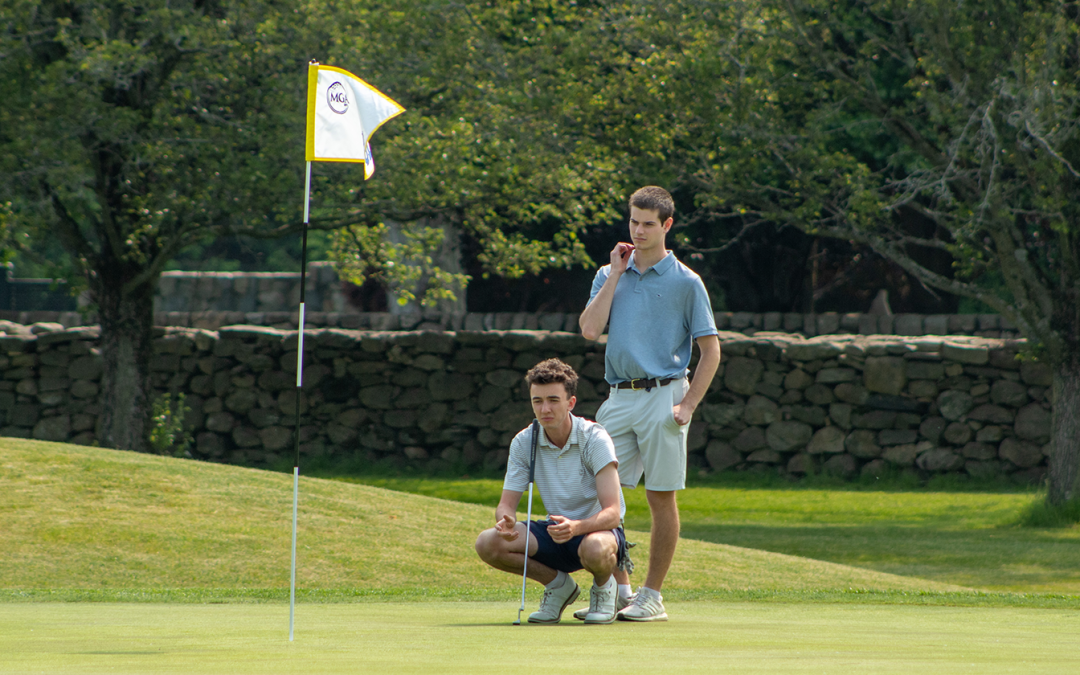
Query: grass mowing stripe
[
  {"x": 967, "y": 538},
  {"x": 101, "y": 525},
  {"x": 443, "y": 594},
  {"x": 469, "y": 638},
  {"x": 83, "y": 519}
]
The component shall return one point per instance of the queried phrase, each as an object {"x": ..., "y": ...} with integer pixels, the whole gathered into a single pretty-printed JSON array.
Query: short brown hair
[
  {"x": 553, "y": 370},
  {"x": 656, "y": 199}
]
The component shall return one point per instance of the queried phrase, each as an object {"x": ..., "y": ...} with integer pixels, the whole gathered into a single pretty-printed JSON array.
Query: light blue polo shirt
[{"x": 655, "y": 317}]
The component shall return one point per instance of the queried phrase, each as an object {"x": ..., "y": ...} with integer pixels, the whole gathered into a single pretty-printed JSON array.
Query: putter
[{"x": 528, "y": 516}]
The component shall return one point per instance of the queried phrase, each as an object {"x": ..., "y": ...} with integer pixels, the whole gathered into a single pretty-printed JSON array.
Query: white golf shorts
[{"x": 647, "y": 439}]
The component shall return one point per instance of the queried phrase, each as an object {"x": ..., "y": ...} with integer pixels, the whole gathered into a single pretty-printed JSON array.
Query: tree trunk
[
  {"x": 126, "y": 345},
  {"x": 1064, "y": 476}
]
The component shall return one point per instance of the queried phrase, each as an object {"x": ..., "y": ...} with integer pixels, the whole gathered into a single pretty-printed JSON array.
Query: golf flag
[{"x": 343, "y": 112}]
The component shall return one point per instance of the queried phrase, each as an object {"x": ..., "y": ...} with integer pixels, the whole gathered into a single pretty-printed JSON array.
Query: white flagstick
[
  {"x": 330, "y": 131},
  {"x": 292, "y": 578},
  {"x": 299, "y": 384}
]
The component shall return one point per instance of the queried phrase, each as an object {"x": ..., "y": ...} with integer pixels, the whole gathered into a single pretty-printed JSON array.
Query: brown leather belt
[{"x": 645, "y": 383}]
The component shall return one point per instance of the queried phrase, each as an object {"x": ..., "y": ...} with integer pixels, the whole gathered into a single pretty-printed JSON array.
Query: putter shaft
[{"x": 525, "y": 569}]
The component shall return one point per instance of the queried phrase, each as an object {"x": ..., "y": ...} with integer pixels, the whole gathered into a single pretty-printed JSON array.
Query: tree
[
  {"x": 932, "y": 125},
  {"x": 490, "y": 151},
  {"x": 132, "y": 129}
]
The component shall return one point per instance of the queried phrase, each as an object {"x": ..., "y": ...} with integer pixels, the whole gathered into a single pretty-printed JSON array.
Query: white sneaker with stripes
[{"x": 646, "y": 606}]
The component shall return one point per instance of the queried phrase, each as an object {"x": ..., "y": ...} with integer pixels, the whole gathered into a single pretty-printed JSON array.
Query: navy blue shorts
[{"x": 564, "y": 557}]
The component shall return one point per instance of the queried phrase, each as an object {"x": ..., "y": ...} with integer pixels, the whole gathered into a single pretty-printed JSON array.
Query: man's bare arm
[
  {"x": 595, "y": 317},
  {"x": 607, "y": 493},
  {"x": 506, "y": 514},
  {"x": 708, "y": 362}
]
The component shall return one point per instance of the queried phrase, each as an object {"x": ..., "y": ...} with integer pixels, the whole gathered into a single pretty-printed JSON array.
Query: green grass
[
  {"x": 973, "y": 539},
  {"x": 128, "y": 563},
  {"x": 81, "y": 520},
  {"x": 470, "y": 638}
]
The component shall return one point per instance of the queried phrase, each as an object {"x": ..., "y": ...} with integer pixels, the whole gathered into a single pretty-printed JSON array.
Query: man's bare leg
[
  {"x": 664, "y": 536},
  {"x": 510, "y": 556},
  {"x": 598, "y": 553}
]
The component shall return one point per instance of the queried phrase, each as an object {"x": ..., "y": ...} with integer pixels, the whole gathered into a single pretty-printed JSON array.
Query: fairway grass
[
  {"x": 92, "y": 525},
  {"x": 967, "y": 538},
  {"x": 106, "y": 521},
  {"x": 470, "y": 638}
]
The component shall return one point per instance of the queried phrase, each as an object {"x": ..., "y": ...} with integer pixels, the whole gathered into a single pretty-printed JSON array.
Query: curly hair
[
  {"x": 654, "y": 198},
  {"x": 553, "y": 370}
]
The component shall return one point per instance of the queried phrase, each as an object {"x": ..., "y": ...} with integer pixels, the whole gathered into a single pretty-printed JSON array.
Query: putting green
[{"x": 469, "y": 638}]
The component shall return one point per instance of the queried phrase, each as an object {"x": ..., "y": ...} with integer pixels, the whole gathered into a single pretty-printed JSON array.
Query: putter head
[{"x": 517, "y": 621}]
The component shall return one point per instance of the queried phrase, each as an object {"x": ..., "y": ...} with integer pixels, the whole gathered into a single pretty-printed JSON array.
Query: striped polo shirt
[{"x": 565, "y": 477}]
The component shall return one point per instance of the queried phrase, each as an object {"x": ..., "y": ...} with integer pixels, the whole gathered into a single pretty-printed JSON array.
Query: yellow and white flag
[{"x": 343, "y": 112}]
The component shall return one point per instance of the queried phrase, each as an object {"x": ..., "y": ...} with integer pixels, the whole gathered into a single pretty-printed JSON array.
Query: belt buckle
[{"x": 633, "y": 386}]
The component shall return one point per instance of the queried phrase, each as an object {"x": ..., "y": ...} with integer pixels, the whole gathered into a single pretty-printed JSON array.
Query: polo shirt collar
[
  {"x": 663, "y": 266},
  {"x": 574, "y": 438}
]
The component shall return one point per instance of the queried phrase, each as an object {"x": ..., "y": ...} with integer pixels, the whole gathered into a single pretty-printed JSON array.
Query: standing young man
[
  {"x": 654, "y": 308},
  {"x": 577, "y": 476}
]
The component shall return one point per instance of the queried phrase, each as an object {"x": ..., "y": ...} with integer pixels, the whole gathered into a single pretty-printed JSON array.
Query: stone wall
[
  {"x": 26, "y": 294},
  {"x": 249, "y": 292},
  {"x": 211, "y": 300},
  {"x": 745, "y": 323},
  {"x": 841, "y": 404}
]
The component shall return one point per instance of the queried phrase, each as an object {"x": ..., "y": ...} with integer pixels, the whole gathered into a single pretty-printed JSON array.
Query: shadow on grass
[
  {"x": 353, "y": 596},
  {"x": 893, "y": 480},
  {"x": 1042, "y": 514},
  {"x": 996, "y": 558},
  {"x": 391, "y": 470}
]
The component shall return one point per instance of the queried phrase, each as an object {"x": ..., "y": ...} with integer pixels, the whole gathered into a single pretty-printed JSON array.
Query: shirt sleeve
[
  {"x": 599, "y": 450},
  {"x": 598, "y": 282},
  {"x": 700, "y": 320},
  {"x": 517, "y": 465}
]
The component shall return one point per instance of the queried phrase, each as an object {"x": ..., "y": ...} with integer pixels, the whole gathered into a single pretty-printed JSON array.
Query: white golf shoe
[
  {"x": 645, "y": 606},
  {"x": 620, "y": 602},
  {"x": 555, "y": 601},
  {"x": 602, "y": 602}
]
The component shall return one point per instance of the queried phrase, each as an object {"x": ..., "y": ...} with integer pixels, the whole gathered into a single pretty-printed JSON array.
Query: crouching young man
[{"x": 577, "y": 477}]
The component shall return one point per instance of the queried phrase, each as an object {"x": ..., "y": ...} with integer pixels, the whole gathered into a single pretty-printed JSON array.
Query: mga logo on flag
[{"x": 337, "y": 98}]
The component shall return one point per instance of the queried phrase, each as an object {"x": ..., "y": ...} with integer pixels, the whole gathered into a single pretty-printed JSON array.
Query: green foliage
[
  {"x": 977, "y": 103},
  {"x": 929, "y": 125},
  {"x": 167, "y": 434},
  {"x": 130, "y": 130},
  {"x": 235, "y": 253},
  {"x": 490, "y": 149},
  {"x": 133, "y": 131},
  {"x": 5, "y": 232},
  {"x": 406, "y": 267}
]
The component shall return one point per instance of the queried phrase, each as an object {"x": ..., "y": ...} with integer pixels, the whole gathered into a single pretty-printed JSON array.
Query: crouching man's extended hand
[{"x": 506, "y": 529}]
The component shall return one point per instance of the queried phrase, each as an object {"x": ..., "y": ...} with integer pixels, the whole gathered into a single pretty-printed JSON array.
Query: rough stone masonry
[{"x": 839, "y": 404}]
